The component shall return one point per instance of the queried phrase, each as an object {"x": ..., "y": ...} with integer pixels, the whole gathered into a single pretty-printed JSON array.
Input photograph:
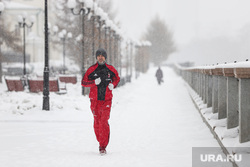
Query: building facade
[{"x": 35, "y": 35}]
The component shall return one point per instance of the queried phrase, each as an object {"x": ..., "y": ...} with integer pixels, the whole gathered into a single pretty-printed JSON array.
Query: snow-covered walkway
[{"x": 151, "y": 125}]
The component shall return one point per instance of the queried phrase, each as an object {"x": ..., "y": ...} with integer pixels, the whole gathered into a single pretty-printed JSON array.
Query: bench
[
  {"x": 68, "y": 79},
  {"x": 14, "y": 83},
  {"x": 36, "y": 85}
]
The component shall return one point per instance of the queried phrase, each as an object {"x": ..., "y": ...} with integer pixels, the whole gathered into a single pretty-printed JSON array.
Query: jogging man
[{"x": 102, "y": 79}]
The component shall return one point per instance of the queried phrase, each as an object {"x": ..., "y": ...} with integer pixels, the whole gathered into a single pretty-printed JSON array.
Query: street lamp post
[
  {"x": 119, "y": 54},
  {"x": 145, "y": 57},
  {"x": 23, "y": 24},
  {"x": 83, "y": 12},
  {"x": 1, "y": 41},
  {"x": 113, "y": 46},
  {"x": 115, "y": 50},
  {"x": 131, "y": 59},
  {"x": 110, "y": 46},
  {"x": 138, "y": 61},
  {"x": 64, "y": 35},
  {"x": 127, "y": 61},
  {"x": 105, "y": 38},
  {"x": 46, "y": 63}
]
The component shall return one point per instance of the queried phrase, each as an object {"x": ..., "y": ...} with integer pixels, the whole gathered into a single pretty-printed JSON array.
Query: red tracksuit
[{"x": 101, "y": 98}]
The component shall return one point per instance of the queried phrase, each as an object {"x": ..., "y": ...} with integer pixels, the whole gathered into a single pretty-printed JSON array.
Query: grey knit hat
[{"x": 101, "y": 51}]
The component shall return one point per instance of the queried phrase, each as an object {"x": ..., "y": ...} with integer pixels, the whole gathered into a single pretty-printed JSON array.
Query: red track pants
[{"x": 101, "y": 112}]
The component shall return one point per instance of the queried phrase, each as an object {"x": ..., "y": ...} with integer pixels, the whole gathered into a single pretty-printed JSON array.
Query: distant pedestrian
[
  {"x": 102, "y": 79},
  {"x": 159, "y": 75}
]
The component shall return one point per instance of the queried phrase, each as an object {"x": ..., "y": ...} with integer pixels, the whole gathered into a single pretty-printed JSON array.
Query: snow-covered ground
[{"x": 151, "y": 125}]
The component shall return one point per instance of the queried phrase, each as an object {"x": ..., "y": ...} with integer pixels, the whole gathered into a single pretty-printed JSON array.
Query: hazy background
[{"x": 205, "y": 31}]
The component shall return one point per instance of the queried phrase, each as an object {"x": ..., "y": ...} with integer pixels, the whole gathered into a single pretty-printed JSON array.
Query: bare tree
[
  {"x": 161, "y": 39},
  {"x": 64, "y": 19},
  {"x": 9, "y": 39},
  {"x": 72, "y": 23}
]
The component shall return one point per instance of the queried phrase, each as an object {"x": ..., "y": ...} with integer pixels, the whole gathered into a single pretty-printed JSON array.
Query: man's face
[{"x": 101, "y": 59}]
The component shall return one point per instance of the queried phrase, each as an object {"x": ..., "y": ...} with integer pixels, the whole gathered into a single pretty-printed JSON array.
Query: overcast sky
[{"x": 188, "y": 19}]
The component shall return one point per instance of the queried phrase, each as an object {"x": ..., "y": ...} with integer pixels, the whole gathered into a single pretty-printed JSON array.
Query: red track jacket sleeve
[
  {"x": 116, "y": 78},
  {"x": 85, "y": 80}
]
